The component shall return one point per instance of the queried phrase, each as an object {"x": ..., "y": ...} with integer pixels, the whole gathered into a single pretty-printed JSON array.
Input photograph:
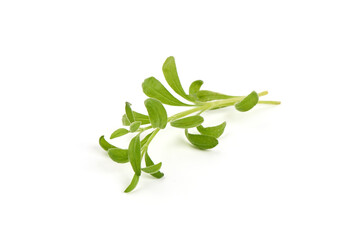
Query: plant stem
[
  {"x": 263, "y": 93},
  {"x": 270, "y": 102},
  {"x": 144, "y": 129},
  {"x": 146, "y": 145},
  {"x": 205, "y": 107}
]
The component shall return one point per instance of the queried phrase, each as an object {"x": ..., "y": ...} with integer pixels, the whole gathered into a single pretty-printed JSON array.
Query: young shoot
[{"x": 144, "y": 127}]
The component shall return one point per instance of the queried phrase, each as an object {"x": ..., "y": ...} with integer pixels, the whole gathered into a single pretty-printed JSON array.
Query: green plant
[{"x": 157, "y": 119}]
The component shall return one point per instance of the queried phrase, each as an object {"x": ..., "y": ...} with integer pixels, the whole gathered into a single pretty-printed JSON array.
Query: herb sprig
[{"x": 157, "y": 119}]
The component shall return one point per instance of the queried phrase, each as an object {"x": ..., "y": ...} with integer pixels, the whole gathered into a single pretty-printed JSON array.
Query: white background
[{"x": 279, "y": 172}]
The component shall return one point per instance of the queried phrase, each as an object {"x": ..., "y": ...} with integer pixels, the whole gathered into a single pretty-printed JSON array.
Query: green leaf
[
  {"x": 119, "y": 132},
  {"x": 149, "y": 163},
  {"x": 172, "y": 78},
  {"x": 144, "y": 119},
  {"x": 134, "y": 154},
  {"x": 201, "y": 141},
  {"x": 194, "y": 88},
  {"x": 158, "y": 174},
  {"x": 205, "y": 96},
  {"x": 157, "y": 113},
  {"x": 154, "y": 89},
  {"x": 188, "y": 122},
  {"x": 129, "y": 112},
  {"x": 152, "y": 169},
  {"x": 133, "y": 183},
  {"x": 125, "y": 120},
  {"x": 118, "y": 155},
  {"x": 248, "y": 102},
  {"x": 215, "y": 131},
  {"x": 144, "y": 140},
  {"x": 104, "y": 144},
  {"x": 135, "y": 126}
]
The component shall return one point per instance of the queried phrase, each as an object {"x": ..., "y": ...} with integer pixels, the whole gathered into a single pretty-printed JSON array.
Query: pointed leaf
[
  {"x": 134, "y": 154},
  {"x": 248, "y": 102},
  {"x": 119, "y": 132},
  {"x": 104, "y": 144},
  {"x": 133, "y": 183},
  {"x": 135, "y": 126},
  {"x": 118, "y": 155},
  {"x": 152, "y": 169},
  {"x": 201, "y": 141},
  {"x": 157, "y": 113},
  {"x": 188, "y": 122},
  {"x": 215, "y": 131},
  {"x": 172, "y": 78},
  {"x": 129, "y": 112},
  {"x": 149, "y": 163},
  {"x": 205, "y": 96},
  {"x": 154, "y": 89}
]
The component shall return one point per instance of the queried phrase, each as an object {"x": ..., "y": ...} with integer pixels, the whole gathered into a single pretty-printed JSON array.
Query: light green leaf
[
  {"x": 152, "y": 169},
  {"x": 201, "y": 141},
  {"x": 104, "y": 144},
  {"x": 195, "y": 87},
  {"x": 172, "y": 78},
  {"x": 125, "y": 120},
  {"x": 205, "y": 96},
  {"x": 215, "y": 131},
  {"x": 119, "y": 132},
  {"x": 133, "y": 183},
  {"x": 129, "y": 112},
  {"x": 135, "y": 126},
  {"x": 118, "y": 155},
  {"x": 134, "y": 154},
  {"x": 188, "y": 122},
  {"x": 248, "y": 102},
  {"x": 154, "y": 89},
  {"x": 157, "y": 113},
  {"x": 144, "y": 119},
  {"x": 149, "y": 163}
]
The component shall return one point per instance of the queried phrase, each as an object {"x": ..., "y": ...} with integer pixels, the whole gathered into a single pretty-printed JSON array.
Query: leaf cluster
[{"x": 157, "y": 118}]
